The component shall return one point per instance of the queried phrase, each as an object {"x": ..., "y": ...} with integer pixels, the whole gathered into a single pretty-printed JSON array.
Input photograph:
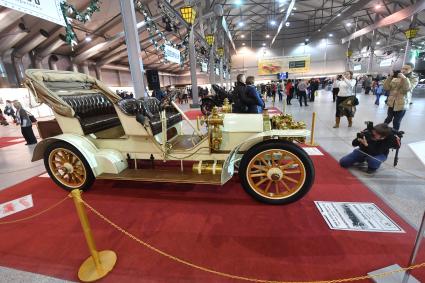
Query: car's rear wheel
[
  {"x": 67, "y": 167},
  {"x": 276, "y": 172}
]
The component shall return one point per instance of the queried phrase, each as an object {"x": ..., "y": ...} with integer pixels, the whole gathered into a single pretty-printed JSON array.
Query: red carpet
[
  {"x": 7, "y": 141},
  {"x": 192, "y": 114},
  {"x": 218, "y": 227}
]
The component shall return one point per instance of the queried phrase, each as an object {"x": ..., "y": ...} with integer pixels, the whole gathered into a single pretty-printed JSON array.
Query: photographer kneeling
[{"x": 374, "y": 145}]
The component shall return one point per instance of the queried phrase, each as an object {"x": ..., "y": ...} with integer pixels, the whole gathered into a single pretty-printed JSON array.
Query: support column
[
  {"x": 98, "y": 73},
  {"x": 221, "y": 72},
  {"x": 192, "y": 60},
  {"x": 133, "y": 47},
  {"x": 372, "y": 52}
]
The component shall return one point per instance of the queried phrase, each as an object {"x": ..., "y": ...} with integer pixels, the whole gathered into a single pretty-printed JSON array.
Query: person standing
[
  {"x": 345, "y": 100},
  {"x": 289, "y": 92},
  {"x": 378, "y": 92},
  {"x": 367, "y": 85},
  {"x": 302, "y": 92},
  {"x": 400, "y": 85},
  {"x": 239, "y": 106},
  {"x": 314, "y": 86},
  {"x": 257, "y": 104},
  {"x": 25, "y": 122},
  {"x": 335, "y": 87},
  {"x": 280, "y": 88}
]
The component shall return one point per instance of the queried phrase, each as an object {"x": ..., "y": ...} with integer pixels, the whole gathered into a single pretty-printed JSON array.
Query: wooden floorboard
[{"x": 173, "y": 175}]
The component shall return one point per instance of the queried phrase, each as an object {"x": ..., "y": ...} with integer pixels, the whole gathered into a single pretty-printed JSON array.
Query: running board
[{"x": 173, "y": 175}]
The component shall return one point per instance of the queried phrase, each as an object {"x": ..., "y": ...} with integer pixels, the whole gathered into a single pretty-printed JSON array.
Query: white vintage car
[{"x": 98, "y": 135}]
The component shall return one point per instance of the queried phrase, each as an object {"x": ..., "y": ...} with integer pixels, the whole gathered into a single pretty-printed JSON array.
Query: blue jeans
[
  {"x": 394, "y": 116},
  {"x": 357, "y": 156}
]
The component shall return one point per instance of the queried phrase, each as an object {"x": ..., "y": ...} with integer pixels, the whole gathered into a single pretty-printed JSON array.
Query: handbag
[
  {"x": 355, "y": 101},
  {"x": 31, "y": 117}
]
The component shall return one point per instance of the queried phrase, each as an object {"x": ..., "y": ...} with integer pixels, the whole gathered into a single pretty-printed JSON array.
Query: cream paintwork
[
  {"x": 69, "y": 125},
  {"x": 248, "y": 123},
  {"x": 130, "y": 125},
  {"x": 101, "y": 161}
]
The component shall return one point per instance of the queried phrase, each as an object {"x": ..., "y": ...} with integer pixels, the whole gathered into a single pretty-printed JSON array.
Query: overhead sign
[
  {"x": 386, "y": 62},
  {"x": 276, "y": 65},
  {"x": 356, "y": 216},
  {"x": 204, "y": 67},
  {"x": 16, "y": 205},
  {"x": 217, "y": 71},
  {"x": 172, "y": 54},
  {"x": 49, "y": 10},
  {"x": 357, "y": 67}
]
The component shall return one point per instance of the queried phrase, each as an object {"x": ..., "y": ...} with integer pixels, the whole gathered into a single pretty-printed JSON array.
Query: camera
[
  {"x": 368, "y": 131},
  {"x": 395, "y": 73},
  {"x": 339, "y": 77}
]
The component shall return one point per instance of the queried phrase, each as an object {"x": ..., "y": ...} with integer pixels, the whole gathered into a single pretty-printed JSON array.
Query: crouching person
[{"x": 374, "y": 145}]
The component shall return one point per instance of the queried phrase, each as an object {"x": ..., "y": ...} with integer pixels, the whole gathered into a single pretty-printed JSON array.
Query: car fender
[
  {"x": 228, "y": 166},
  {"x": 101, "y": 161}
]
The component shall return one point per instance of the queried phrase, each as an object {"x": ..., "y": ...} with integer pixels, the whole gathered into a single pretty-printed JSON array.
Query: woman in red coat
[{"x": 289, "y": 92}]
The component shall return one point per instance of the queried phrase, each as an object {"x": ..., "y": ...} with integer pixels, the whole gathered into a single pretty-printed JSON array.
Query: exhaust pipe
[
  {"x": 20, "y": 52},
  {"x": 8, "y": 17},
  {"x": 15, "y": 35},
  {"x": 47, "y": 51},
  {"x": 53, "y": 59}
]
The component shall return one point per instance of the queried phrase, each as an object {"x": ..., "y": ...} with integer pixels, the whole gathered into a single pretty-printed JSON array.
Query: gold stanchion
[
  {"x": 313, "y": 125},
  {"x": 98, "y": 264}
]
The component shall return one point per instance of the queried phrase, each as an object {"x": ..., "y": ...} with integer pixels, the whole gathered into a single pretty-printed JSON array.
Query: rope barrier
[
  {"x": 37, "y": 214},
  {"x": 233, "y": 276}
]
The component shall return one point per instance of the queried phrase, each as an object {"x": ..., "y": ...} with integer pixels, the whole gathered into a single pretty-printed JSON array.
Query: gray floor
[{"x": 404, "y": 192}]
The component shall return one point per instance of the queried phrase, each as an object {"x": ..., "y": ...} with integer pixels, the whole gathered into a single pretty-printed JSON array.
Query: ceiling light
[
  {"x": 307, "y": 39},
  {"x": 339, "y": 14},
  {"x": 240, "y": 24},
  {"x": 88, "y": 38},
  {"x": 268, "y": 35},
  {"x": 295, "y": 8},
  {"x": 330, "y": 35},
  {"x": 273, "y": 22},
  {"x": 378, "y": 6},
  {"x": 292, "y": 14},
  {"x": 264, "y": 44},
  {"x": 242, "y": 36},
  {"x": 348, "y": 24},
  {"x": 243, "y": 43},
  {"x": 319, "y": 30},
  {"x": 287, "y": 24},
  {"x": 282, "y": 10},
  {"x": 238, "y": 2},
  {"x": 377, "y": 43}
]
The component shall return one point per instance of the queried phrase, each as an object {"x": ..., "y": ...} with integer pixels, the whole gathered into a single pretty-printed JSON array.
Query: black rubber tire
[
  {"x": 60, "y": 144},
  {"x": 206, "y": 106},
  {"x": 283, "y": 145}
]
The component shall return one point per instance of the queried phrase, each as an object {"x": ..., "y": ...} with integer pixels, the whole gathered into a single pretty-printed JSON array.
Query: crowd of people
[
  {"x": 372, "y": 144},
  {"x": 21, "y": 117}
]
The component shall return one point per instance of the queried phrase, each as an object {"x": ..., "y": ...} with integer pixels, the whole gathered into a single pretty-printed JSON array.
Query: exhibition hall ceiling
[{"x": 251, "y": 23}]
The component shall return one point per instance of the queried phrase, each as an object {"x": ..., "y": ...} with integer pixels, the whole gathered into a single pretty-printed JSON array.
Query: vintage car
[{"x": 98, "y": 135}]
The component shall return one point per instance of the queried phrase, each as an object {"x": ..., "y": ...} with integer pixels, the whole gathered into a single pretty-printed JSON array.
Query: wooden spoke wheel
[
  {"x": 276, "y": 172},
  {"x": 68, "y": 167}
]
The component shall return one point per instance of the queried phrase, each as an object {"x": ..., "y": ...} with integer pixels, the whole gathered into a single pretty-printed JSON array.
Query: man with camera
[
  {"x": 374, "y": 145},
  {"x": 400, "y": 85}
]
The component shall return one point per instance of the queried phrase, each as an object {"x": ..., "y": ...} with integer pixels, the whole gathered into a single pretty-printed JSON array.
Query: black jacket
[{"x": 377, "y": 147}]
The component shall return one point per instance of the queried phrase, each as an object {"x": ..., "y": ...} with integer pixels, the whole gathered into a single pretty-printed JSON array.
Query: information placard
[
  {"x": 48, "y": 10},
  {"x": 16, "y": 205},
  {"x": 172, "y": 54},
  {"x": 356, "y": 216}
]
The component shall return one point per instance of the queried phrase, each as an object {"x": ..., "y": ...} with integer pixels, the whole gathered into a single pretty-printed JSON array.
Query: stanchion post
[
  {"x": 99, "y": 264},
  {"x": 416, "y": 247},
  {"x": 313, "y": 125}
]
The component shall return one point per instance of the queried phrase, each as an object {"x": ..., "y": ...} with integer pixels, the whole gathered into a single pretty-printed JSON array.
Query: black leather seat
[
  {"x": 151, "y": 108},
  {"x": 94, "y": 111}
]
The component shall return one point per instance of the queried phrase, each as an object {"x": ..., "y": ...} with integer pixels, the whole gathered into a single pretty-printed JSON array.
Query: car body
[{"x": 98, "y": 135}]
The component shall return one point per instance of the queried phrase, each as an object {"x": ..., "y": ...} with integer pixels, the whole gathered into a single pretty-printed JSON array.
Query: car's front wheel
[
  {"x": 276, "y": 172},
  {"x": 67, "y": 167}
]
